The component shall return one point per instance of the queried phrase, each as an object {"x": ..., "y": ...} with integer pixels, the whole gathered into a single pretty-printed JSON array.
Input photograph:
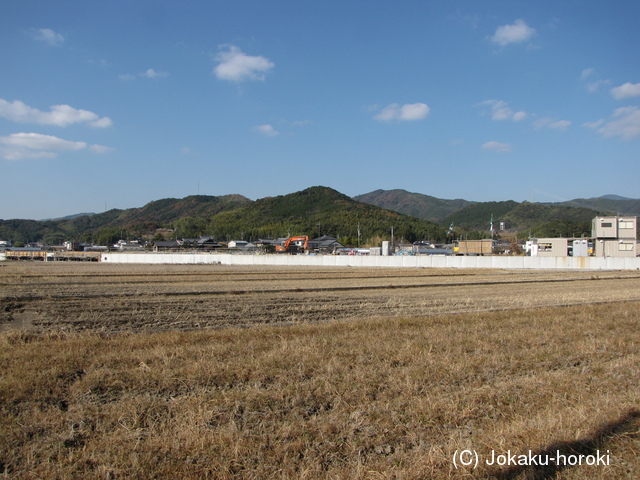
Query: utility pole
[{"x": 392, "y": 245}]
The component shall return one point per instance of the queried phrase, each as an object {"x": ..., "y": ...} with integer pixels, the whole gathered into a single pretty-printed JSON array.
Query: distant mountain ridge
[
  {"x": 417, "y": 205},
  {"x": 313, "y": 211},
  {"x": 319, "y": 211},
  {"x": 444, "y": 211},
  {"x": 612, "y": 203},
  {"x": 69, "y": 217},
  {"x": 139, "y": 221}
]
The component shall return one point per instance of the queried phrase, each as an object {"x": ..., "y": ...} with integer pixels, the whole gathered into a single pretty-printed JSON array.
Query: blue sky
[{"x": 115, "y": 104}]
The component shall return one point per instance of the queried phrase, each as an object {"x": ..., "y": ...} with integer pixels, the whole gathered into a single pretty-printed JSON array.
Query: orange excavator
[{"x": 292, "y": 244}]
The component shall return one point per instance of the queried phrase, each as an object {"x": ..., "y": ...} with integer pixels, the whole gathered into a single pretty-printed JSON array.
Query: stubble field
[{"x": 113, "y": 371}]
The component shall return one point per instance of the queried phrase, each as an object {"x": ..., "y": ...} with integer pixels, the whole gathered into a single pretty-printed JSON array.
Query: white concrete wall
[{"x": 422, "y": 261}]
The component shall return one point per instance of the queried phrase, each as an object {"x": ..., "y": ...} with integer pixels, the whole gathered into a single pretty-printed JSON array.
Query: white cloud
[
  {"x": 236, "y": 66},
  {"x": 60, "y": 115},
  {"x": 593, "y": 125},
  {"x": 19, "y": 146},
  {"x": 586, "y": 73},
  {"x": 497, "y": 146},
  {"x": 625, "y": 91},
  {"x": 406, "y": 112},
  {"x": 560, "y": 125},
  {"x": 148, "y": 73},
  {"x": 101, "y": 149},
  {"x": 624, "y": 123},
  {"x": 267, "y": 130},
  {"x": 516, "y": 33},
  {"x": 48, "y": 36},
  {"x": 501, "y": 111},
  {"x": 519, "y": 116},
  {"x": 151, "y": 73},
  {"x": 595, "y": 85}
]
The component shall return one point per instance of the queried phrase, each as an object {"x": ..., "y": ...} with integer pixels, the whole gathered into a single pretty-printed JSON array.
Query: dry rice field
[
  {"x": 152, "y": 372},
  {"x": 111, "y": 298}
]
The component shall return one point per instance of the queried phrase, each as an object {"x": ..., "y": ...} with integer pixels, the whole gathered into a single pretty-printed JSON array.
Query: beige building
[
  {"x": 615, "y": 236},
  {"x": 475, "y": 247},
  {"x": 550, "y": 247}
]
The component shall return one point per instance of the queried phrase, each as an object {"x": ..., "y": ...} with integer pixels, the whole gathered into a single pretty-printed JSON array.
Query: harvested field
[
  {"x": 115, "y": 298},
  {"x": 111, "y": 371}
]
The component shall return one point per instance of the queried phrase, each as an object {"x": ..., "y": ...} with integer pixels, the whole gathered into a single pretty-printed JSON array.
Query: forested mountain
[
  {"x": 611, "y": 203},
  {"x": 572, "y": 218},
  {"x": 320, "y": 211},
  {"x": 132, "y": 222},
  {"x": 534, "y": 219},
  {"x": 415, "y": 204},
  {"x": 442, "y": 211},
  {"x": 314, "y": 211}
]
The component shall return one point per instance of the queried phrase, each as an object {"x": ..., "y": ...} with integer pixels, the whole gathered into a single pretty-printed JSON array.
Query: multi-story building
[{"x": 615, "y": 236}]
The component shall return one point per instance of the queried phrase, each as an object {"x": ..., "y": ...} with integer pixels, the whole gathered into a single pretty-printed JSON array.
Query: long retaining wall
[{"x": 420, "y": 261}]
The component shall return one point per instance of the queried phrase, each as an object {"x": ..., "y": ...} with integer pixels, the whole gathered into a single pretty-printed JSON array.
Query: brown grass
[
  {"x": 375, "y": 398},
  {"x": 43, "y": 297}
]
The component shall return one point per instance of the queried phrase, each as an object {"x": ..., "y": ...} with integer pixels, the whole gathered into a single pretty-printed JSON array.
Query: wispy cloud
[
  {"x": 586, "y": 73},
  {"x": 47, "y": 36},
  {"x": 266, "y": 130},
  {"x": 560, "y": 125},
  {"x": 236, "y": 66},
  {"x": 497, "y": 147},
  {"x": 403, "y": 113},
  {"x": 625, "y": 91},
  {"x": 151, "y": 73},
  {"x": 20, "y": 146},
  {"x": 59, "y": 115},
  {"x": 592, "y": 85},
  {"x": 148, "y": 73},
  {"x": 500, "y": 110},
  {"x": 624, "y": 123},
  {"x": 517, "y": 32}
]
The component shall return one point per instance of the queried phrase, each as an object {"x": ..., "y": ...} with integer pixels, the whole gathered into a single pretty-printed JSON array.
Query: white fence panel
[{"x": 426, "y": 261}]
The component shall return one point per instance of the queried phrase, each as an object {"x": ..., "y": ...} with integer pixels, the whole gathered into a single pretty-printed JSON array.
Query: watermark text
[{"x": 470, "y": 458}]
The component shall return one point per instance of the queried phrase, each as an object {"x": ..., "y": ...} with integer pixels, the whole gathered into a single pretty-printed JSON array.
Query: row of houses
[
  {"x": 324, "y": 244},
  {"x": 611, "y": 237}
]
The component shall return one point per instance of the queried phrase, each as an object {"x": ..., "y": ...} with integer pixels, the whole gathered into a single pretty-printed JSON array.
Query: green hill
[
  {"x": 319, "y": 211},
  {"x": 314, "y": 211},
  {"x": 442, "y": 211},
  {"x": 536, "y": 219},
  {"x": 478, "y": 215},
  {"x": 610, "y": 203},
  {"x": 134, "y": 221},
  {"x": 417, "y": 205},
  {"x": 568, "y": 219}
]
